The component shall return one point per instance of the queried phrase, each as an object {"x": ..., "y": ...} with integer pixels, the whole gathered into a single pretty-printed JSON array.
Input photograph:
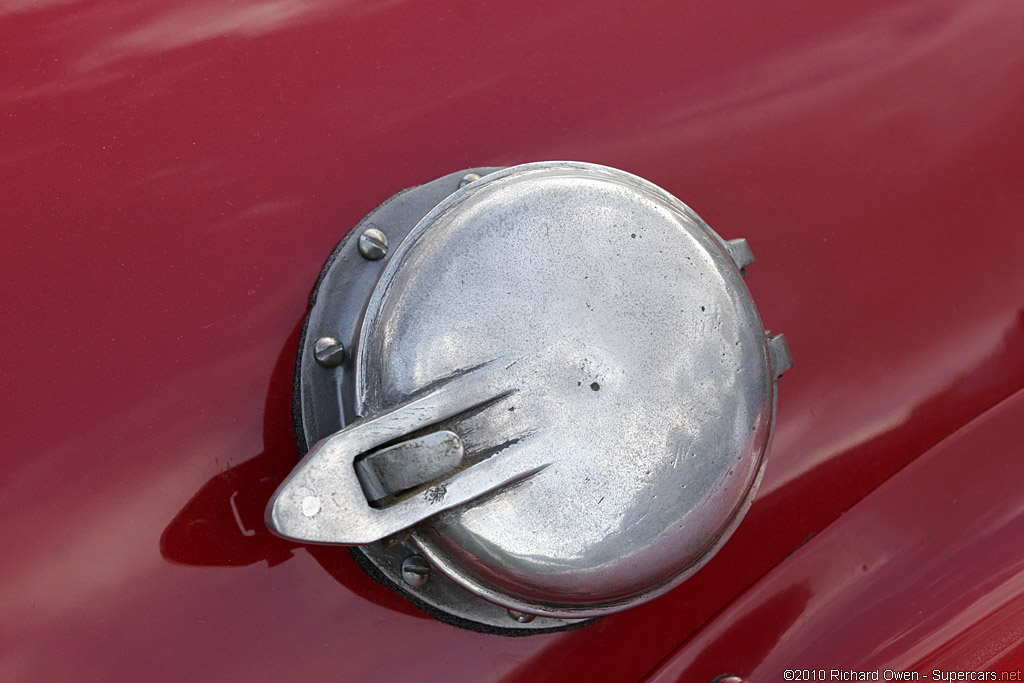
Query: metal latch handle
[{"x": 322, "y": 500}]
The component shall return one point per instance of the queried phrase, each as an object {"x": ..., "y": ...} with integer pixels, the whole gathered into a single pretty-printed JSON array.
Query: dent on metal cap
[{"x": 590, "y": 344}]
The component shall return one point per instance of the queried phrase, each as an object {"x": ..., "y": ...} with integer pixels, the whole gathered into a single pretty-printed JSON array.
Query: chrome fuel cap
[{"x": 555, "y": 391}]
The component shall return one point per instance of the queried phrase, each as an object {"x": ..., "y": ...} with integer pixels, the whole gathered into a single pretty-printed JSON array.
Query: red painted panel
[
  {"x": 925, "y": 574},
  {"x": 173, "y": 177}
]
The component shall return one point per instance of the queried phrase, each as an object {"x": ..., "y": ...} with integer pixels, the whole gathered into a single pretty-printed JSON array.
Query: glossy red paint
[
  {"x": 924, "y": 574},
  {"x": 173, "y": 177}
]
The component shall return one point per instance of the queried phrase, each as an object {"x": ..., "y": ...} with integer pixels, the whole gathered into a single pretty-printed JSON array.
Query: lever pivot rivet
[
  {"x": 310, "y": 506},
  {"x": 520, "y": 617}
]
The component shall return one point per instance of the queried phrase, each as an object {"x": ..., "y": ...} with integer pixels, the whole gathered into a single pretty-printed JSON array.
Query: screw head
[
  {"x": 373, "y": 244},
  {"x": 329, "y": 352},
  {"x": 520, "y": 617},
  {"x": 415, "y": 571},
  {"x": 468, "y": 178}
]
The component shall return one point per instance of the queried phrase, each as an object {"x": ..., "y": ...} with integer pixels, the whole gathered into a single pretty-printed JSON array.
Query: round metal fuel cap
[{"x": 558, "y": 392}]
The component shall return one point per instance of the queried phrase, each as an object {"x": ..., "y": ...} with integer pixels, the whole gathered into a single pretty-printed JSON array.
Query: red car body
[{"x": 174, "y": 176}]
